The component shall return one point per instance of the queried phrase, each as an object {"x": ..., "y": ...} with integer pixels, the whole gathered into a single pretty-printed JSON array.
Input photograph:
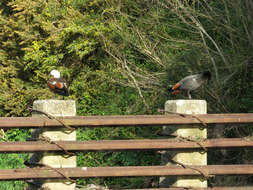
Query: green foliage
[{"x": 10, "y": 161}]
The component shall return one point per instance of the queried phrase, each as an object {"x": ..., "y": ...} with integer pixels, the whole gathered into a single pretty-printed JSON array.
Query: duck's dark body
[
  {"x": 190, "y": 83},
  {"x": 58, "y": 86}
]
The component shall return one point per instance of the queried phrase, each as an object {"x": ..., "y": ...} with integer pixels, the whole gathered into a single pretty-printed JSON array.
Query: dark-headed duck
[{"x": 190, "y": 83}]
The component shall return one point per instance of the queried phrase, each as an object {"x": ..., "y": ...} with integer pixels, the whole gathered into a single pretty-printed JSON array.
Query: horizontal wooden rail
[
  {"x": 95, "y": 121},
  {"x": 127, "y": 171},
  {"x": 199, "y": 188},
  {"x": 109, "y": 145}
]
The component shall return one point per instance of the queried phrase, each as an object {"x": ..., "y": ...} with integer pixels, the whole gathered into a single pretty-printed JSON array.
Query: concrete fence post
[
  {"x": 57, "y": 160},
  {"x": 188, "y": 131}
]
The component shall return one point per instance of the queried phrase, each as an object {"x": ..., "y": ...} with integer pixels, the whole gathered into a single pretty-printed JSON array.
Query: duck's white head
[{"x": 55, "y": 73}]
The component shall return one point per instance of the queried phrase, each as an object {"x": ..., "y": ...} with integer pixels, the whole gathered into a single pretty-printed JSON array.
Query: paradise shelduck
[
  {"x": 190, "y": 83},
  {"x": 57, "y": 84}
]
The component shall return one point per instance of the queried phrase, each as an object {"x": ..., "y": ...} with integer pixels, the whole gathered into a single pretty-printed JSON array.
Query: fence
[{"x": 109, "y": 145}]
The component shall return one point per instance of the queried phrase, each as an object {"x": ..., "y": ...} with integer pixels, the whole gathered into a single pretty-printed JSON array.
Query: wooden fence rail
[
  {"x": 46, "y": 172},
  {"x": 199, "y": 188},
  {"x": 127, "y": 171},
  {"x": 140, "y": 120},
  {"x": 116, "y": 145}
]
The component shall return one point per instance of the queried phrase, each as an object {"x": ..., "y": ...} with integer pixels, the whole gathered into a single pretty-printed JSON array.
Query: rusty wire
[
  {"x": 46, "y": 139},
  {"x": 183, "y": 115},
  {"x": 205, "y": 176},
  {"x": 198, "y": 142},
  {"x": 37, "y": 164},
  {"x": 52, "y": 117}
]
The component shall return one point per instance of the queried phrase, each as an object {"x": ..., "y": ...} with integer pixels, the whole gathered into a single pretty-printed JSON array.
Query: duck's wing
[
  {"x": 191, "y": 82},
  {"x": 59, "y": 86}
]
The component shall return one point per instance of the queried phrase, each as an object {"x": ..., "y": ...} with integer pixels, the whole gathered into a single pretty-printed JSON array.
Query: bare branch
[{"x": 136, "y": 85}]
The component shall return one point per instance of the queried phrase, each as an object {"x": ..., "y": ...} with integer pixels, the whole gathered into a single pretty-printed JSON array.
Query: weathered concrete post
[
  {"x": 188, "y": 131},
  {"x": 56, "y": 160}
]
